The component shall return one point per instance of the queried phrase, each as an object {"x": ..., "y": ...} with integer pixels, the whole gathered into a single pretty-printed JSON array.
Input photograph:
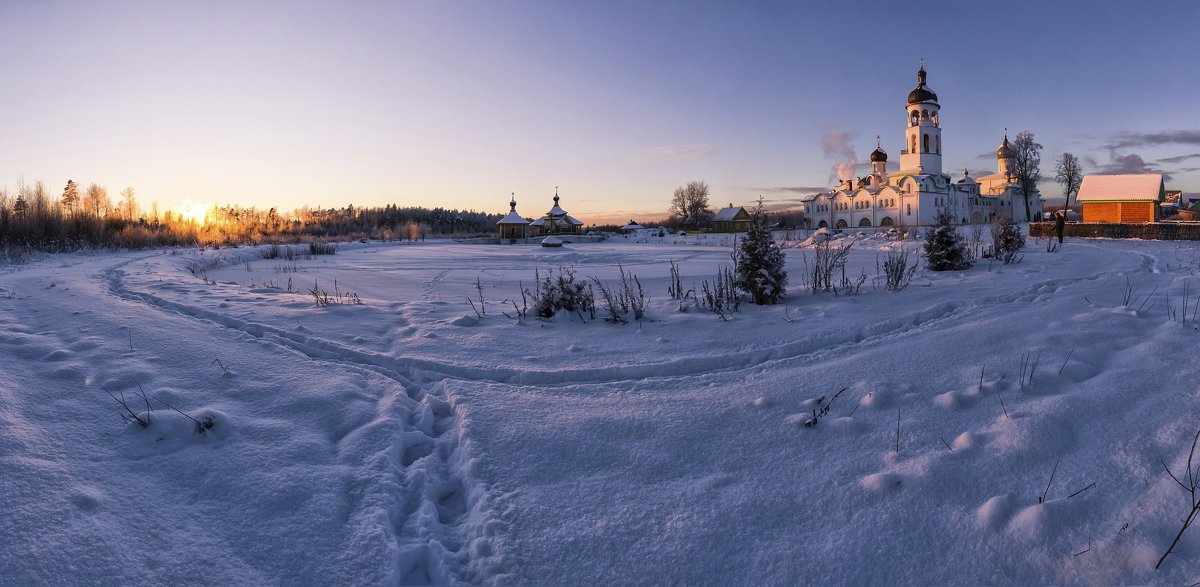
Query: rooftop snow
[{"x": 1140, "y": 186}]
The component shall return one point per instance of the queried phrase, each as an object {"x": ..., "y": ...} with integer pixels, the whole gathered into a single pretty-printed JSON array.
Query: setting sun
[{"x": 197, "y": 213}]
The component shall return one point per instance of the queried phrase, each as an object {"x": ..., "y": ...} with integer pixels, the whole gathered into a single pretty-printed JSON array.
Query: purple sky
[{"x": 460, "y": 103}]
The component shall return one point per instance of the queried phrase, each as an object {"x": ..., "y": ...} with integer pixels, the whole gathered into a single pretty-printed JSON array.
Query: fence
[{"x": 1166, "y": 231}]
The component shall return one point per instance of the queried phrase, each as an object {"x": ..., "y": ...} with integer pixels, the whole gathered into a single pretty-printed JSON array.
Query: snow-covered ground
[{"x": 406, "y": 440}]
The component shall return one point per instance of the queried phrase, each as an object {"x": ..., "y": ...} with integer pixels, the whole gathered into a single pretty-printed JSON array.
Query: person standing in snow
[{"x": 1060, "y": 225}]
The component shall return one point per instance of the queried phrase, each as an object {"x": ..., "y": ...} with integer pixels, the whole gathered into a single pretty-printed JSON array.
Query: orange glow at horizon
[{"x": 197, "y": 213}]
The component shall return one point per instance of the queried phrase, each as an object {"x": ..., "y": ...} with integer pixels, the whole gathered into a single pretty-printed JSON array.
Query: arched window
[
  {"x": 887, "y": 221},
  {"x": 913, "y": 143},
  {"x": 841, "y": 223},
  {"x": 822, "y": 224},
  {"x": 910, "y": 209},
  {"x": 925, "y": 143},
  {"x": 924, "y": 115},
  {"x": 915, "y": 116},
  {"x": 938, "y": 141},
  {"x": 864, "y": 222},
  {"x": 934, "y": 117}
]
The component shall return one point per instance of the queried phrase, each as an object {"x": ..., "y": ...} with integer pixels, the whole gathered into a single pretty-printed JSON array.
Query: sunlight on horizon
[{"x": 197, "y": 213}]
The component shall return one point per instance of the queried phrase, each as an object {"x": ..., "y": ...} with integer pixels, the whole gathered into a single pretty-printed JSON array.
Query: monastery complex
[{"x": 913, "y": 195}]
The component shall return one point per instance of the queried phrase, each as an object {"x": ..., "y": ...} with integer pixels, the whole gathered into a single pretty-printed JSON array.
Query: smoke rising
[{"x": 837, "y": 144}]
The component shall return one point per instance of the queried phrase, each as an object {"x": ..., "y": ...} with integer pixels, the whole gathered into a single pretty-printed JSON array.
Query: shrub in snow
[
  {"x": 340, "y": 296},
  {"x": 721, "y": 296},
  {"x": 944, "y": 248},
  {"x": 552, "y": 294},
  {"x": 1189, "y": 481},
  {"x": 827, "y": 258},
  {"x": 315, "y": 249},
  {"x": 128, "y": 415},
  {"x": 897, "y": 272},
  {"x": 675, "y": 290},
  {"x": 619, "y": 302},
  {"x": 1007, "y": 241},
  {"x": 759, "y": 261}
]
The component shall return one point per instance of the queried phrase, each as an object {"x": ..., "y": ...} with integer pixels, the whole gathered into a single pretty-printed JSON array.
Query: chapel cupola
[{"x": 878, "y": 159}]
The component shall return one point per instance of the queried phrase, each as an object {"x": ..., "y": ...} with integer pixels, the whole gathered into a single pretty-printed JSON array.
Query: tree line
[{"x": 32, "y": 218}]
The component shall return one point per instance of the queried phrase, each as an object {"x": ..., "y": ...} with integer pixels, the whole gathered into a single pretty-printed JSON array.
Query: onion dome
[
  {"x": 512, "y": 217},
  {"x": 878, "y": 155},
  {"x": 1005, "y": 151},
  {"x": 922, "y": 93},
  {"x": 556, "y": 211}
]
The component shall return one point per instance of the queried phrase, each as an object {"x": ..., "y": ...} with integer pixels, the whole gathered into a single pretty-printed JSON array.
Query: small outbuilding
[
  {"x": 633, "y": 226},
  {"x": 731, "y": 219},
  {"x": 1122, "y": 198}
]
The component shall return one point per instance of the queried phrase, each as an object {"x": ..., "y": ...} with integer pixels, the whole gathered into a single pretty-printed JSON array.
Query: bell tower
[{"x": 923, "y": 137}]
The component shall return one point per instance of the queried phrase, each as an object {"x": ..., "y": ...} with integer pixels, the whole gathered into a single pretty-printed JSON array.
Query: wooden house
[
  {"x": 1122, "y": 198},
  {"x": 732, "y": 219}
]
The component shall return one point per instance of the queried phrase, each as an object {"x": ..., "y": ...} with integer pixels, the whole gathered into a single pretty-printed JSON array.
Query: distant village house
[{"x": 731, "y": 219}]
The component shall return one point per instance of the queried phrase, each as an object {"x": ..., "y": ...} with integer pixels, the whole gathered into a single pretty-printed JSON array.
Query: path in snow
[
  {"x": 407, "y": 441},
  {"x": 388, "y": 482}
]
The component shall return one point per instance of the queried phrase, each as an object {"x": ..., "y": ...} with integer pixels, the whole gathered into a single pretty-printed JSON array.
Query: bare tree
[
  {"x": 40, "y": 202},
  {"x": 1025, "y": 165},
  {"x": 1070, "y": 176},
  {"x": 691, "y": 201},
  {"x": 95, "y": 200},
  {"x": 129, "y": 202}
]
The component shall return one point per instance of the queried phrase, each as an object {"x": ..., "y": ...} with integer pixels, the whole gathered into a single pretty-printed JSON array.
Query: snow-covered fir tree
[
  {"x": 760, "y": 270},
  {"x": 944, "y": 248}
]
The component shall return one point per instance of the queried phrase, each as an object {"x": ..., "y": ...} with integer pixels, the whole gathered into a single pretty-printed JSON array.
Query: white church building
[{"x": 913, "y": 195}]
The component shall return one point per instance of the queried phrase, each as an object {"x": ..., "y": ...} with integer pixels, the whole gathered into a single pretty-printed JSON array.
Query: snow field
[{"x": 409, "y": 441}]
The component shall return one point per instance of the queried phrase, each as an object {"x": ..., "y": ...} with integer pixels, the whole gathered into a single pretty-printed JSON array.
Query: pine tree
[
  {"x": 70, "y": 197},
  {"x": 760, "y": 270},
  {"x": 944, "y": 248}
]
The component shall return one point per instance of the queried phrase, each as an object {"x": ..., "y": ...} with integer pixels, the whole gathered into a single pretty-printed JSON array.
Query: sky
[{"x": 616, "y": 103}]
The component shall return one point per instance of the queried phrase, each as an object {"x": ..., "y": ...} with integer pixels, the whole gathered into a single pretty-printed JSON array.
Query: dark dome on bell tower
[{"x": 922, "y": 93}]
